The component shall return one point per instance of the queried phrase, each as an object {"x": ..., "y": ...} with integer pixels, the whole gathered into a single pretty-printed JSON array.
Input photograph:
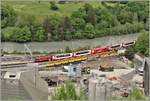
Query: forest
[{"x": 86, "y": 21}]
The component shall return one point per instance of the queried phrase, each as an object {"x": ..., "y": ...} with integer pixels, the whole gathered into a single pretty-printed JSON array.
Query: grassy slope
[{"x": 42, "y": 9}]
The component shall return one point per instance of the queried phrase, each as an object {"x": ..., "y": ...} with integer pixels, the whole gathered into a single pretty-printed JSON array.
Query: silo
[
  {"x": 103, "y": 90},
  {"x": 78, "y": 70},
  {"x": 109, "y": 89},
  {"x": 70, "y": 70},
  {"x": 92, "y": 88},
  {"x": 99, "y": 92}
]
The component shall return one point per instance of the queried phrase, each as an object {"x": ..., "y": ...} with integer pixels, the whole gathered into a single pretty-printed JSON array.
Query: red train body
[
  {"x": 100, "y": 50},
  {"x": 41, "y": 59}
]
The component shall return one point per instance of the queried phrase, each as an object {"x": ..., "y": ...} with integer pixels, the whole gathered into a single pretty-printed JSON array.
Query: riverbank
[{"x": 47, "y": 47}]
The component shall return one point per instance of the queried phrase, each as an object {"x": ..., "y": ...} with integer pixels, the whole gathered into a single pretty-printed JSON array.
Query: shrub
[
  {"x": 66, "y": 92},
  {"x": 53, "y": 5},
  {"x": 68, "y": 50}
]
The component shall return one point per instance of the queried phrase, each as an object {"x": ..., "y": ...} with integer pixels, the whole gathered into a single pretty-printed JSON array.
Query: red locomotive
[
  {"x": 41, "y": 59},
  {"x": 100, "y": 50}
]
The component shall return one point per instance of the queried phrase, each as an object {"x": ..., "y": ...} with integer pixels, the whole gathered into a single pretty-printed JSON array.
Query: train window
[
  {"x": 129, "y": 43},
  {"x": 83, "y": 52},
  {"x": 115, "y": 46},
  {"x": 12, "y": 76},
  {"x": 63, "y": 55}
]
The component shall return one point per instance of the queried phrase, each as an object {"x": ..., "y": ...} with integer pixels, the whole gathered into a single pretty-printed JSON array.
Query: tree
[
  {"x": 80, "y": 13},
  {"x": 142, "y": 44},
  {"x": 21, "y": 34},
  {"x": 26, "y": 20},
  {"x": 91, "y": 17},
  {"x": 40, "y": 35},
  {"x": 88, "y": 7},
  {"x": 67, "y": 24},
  {"x": 89, "y": 31},
  {"x": 125, "y": 16},
  {"x": 66, "y": 28},
  {"x": 29, "y": 21},
  {"x": 66, "y": 92},
  {"x": 115, "y": 21},
  {"x": 136, "y": 95},
  {"x": 51, "y": 26},
  {"x": 147, "y": 25},
  {"x": 141, "y": 8},
  {"x": 78, "y": 23},
  {"x": 103, "y": 24},
  {"x": 53, "y": 5},
  {"x": 7, "y": 33},
  {"x": 8, "y": 16},
  {"x": 129, "y": 53},
  {"x": 78, "y": 35},
  {"x": 68, "y": 50},
  {"x": 47, "y": 28},
  {"x": 105, "y": 16},
  {"x": 21, "y": 21},
  {"x": 135, "y": 17}
]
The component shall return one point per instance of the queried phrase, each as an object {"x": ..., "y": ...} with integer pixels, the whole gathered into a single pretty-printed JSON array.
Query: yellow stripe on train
[{"x": 69, "y": 60}]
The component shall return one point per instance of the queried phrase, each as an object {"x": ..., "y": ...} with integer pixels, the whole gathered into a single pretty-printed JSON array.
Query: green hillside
[
  {"x": 27, "y": 21},
  {"x": 42, "y": 9}
]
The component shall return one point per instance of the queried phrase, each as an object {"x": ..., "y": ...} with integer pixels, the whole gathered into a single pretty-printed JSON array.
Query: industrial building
[{"x": 22, "y": 85}]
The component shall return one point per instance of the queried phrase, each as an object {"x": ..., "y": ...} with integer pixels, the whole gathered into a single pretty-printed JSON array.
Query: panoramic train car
[
  {"x": 128, "y": 44},
  {"x": 62, "y": 56},
  {"x": 82, "y": 53},
  {"x": 99, "y": 50}
]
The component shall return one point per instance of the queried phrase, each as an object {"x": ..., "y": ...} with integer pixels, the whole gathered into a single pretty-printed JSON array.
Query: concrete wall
[
  {"x": 13, "y": 90},
  {"x": 35, "y": 86},
  {"x": 146, "y": 77},
  {"x": 28, "y": 86}
]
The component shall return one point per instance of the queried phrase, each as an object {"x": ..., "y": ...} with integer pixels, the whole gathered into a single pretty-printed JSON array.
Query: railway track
[
  {"x": 14, "y": 58},
  {"x": 21, "y": 65},
  {"x": 48, "y": 64},
  {"x": 12, "y": 66}
]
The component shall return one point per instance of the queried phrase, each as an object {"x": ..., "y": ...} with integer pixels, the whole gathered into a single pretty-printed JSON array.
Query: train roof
[
  {"x": 61, "y": 53},
  {"x": 82, "y": 51},
  {"x": 101, "y": 47}
]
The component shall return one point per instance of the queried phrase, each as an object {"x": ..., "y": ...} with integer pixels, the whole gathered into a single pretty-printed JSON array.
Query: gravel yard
[{"x": 114, "y": 61}]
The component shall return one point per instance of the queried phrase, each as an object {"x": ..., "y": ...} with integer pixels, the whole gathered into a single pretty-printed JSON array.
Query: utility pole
[
  {"x": 26, "y": 49},
  {"x": 105, "y": 92},
  {"x": 57, "y": 76}
]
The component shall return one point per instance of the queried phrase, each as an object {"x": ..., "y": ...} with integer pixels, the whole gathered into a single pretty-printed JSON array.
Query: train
[{"x": 84, "y": 52}]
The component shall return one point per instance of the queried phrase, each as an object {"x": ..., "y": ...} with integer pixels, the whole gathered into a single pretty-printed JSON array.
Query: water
[{"x": 55, "y": 46}]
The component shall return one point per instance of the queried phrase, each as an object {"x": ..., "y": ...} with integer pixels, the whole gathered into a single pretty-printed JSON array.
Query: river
[{"x": 55, "y": 46}]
